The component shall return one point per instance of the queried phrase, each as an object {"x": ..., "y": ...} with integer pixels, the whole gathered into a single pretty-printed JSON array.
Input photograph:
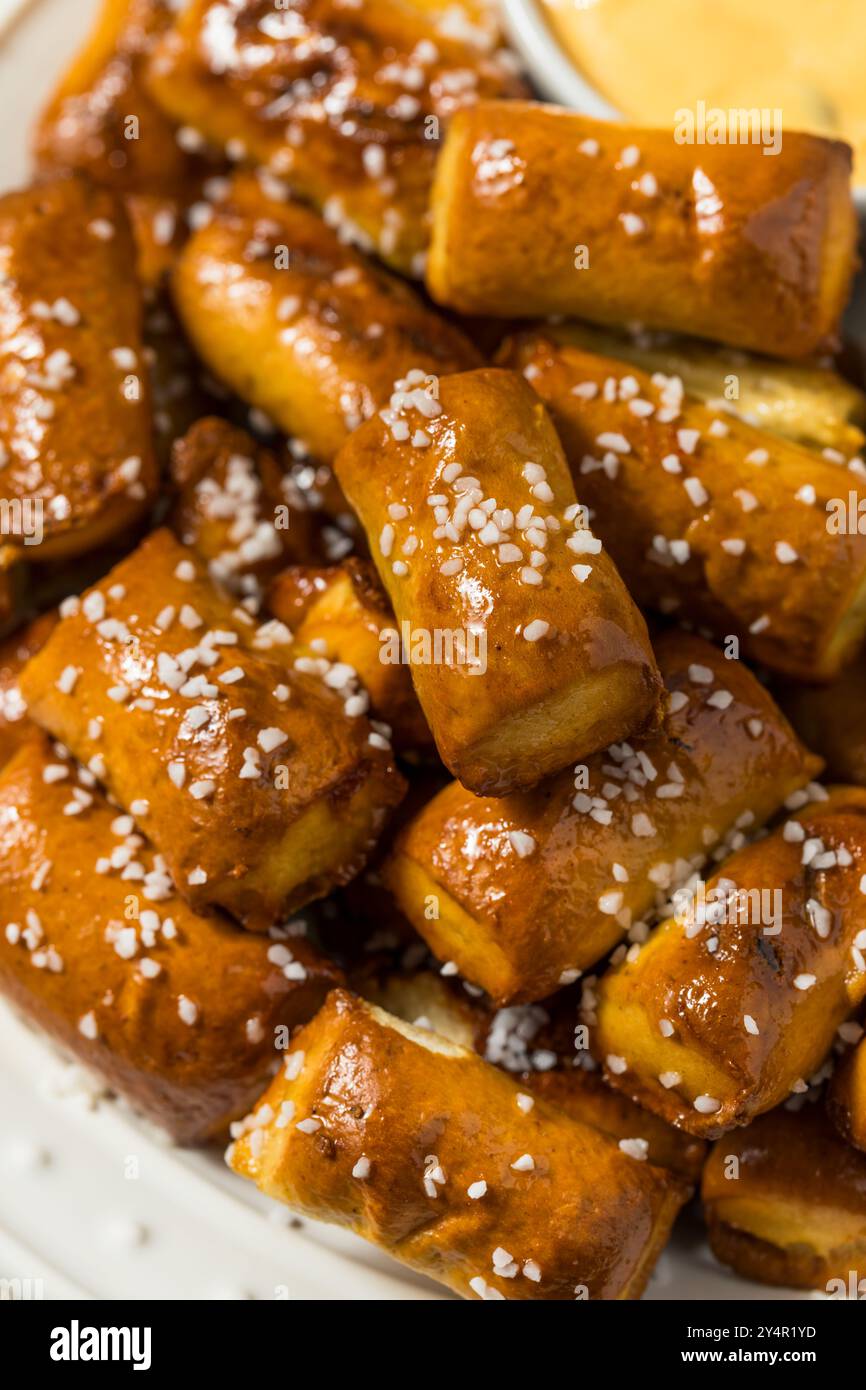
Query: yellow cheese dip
[{"x": 649, "y": 58}]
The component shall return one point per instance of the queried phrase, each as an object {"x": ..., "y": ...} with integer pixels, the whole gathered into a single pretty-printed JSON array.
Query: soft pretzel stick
[
  {"x": 300, "y": 324},
  {"x": 734, "y": 1003},
  {"x": 539, "y": 211},
  {"x": 474, "y": 527},
  {"x": 178, "y": 1012},
  {"x": 429, "y": 1001},
  {"x": 344, "y": 611},
  {"x": 785, "y": 1203},
  {"x": 708, "y": 518},
  {"x": 100, "y": 121},
  {"x": 346, "y": 102},
  {"x": 262, "y": 786},
  {"x": 806, "y": 403},
  {"x": 525, "y": 891},
  {"x": 432, "y": 1154},
  {"x": 75, "y": 426}
]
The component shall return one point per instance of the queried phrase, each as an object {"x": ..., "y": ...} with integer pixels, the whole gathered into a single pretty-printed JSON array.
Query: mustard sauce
[{"x": 650, "y": 58}]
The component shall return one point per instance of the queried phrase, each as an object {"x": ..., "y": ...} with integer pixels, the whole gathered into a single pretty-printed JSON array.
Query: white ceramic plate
[{"x": 93, "y": 1203}]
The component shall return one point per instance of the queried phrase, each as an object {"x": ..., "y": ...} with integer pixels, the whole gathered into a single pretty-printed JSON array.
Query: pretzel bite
[
  {"x": 82, "y": 126},
  {"x": 830, "y": 719},
  {"x": 247, "y": 763},
  {"x": 428, "y": 1152},
  {"x": 539, "y": 211},
  {"x": 463, "y": 492},
  {"x": 176, "y": 1010},
  {"x": 15, "y": 652},
  {"x": 344, "y": 612},
  {"x": 102, "y": 122},
  {"x": 807, "y": 403},
  {"x": 426, "y": 1000},
  {"x": 241, "y": 514},
  {"x": 344, "y": 101},
  {"x": 301, "y": 325},
  {"x": 785, "y": 1203},
  {"x": 734, "y": 1002},
  {"x": 707, "y": 517},
  {"x": 846, "y": 1095},
  {"x": 76, "y": 461},
  {"x": 526, "y": 891}
]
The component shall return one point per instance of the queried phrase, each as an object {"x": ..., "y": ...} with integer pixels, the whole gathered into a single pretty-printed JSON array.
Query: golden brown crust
[
  {"x": 75, "y": 430},
  {"x": 15, "y": 651},
  {"x": 345, "y": 608},
  {"x": 785, "y": 1203},
  {"x": 846, "y": 1097},
  {"x": 177, "y": 1011},
  {"x": 256, "y": 813},
  {"x": 708, "y": 518},
  {"x": 590, "y": 1219},
  {"x": 89, "y": 123},
  {"x": 241, "y": 514},
  {"x": 551, "y": 659},
  {"x": 295, "y": 592},
  {"x": 343, "y": 101},
  {"x": 102, "y": 122},
  {"x": 523, "y": 891},
  {"x": 711, "y": 1023},
  {"x": 428, "y": 1000},
  {"x": 758, "y": 253},
  {"x": 806, "y": 402},
  {"x": 301, "y": 325},
  {"x": 586, "y": 1097}
]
